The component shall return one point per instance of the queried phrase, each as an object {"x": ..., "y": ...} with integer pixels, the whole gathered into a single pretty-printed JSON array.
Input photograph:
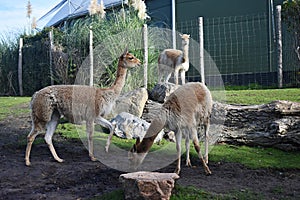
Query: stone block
[{"x": 148, "y": 185}]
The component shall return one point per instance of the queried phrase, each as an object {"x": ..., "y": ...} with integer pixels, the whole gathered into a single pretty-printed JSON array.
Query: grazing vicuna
[
  {"x": 76, "y": 103},
  {"x": 185, "y": 109},
  {"x": 173, "y": 60}
]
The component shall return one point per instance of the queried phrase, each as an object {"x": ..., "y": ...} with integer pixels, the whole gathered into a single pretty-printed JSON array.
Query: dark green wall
[{"x": 160, "y": 10}]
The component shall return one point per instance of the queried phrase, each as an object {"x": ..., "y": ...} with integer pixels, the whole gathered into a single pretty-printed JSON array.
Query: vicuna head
[
  {"x": 128, "y": 60},
  {"x": 185, "y": 39}
]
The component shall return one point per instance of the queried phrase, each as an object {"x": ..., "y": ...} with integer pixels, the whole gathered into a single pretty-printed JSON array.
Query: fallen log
[{"x": 276, "y": 124}]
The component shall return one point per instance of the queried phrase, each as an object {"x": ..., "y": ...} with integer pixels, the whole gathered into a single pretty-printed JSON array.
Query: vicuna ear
[
  {"x": 134, "y": 148},
  {"x": 138, "y": 141},
  {"x": 125, "y": 51}
]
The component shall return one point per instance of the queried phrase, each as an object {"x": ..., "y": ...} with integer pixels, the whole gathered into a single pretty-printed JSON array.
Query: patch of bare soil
[{"x": 80, "y": 178}]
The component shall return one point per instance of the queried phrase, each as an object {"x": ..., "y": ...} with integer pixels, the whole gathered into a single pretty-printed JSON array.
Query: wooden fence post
[
  {"x": 279, "y": 46},
  {"x": 201, "y": 49},
  {"x": 145, "y": 45},
  {"x": 20, "y": 68}
]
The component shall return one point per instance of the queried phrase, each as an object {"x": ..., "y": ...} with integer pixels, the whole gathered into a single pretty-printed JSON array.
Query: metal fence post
[
  {"x": 20, "y": 70},
  {"x": 145, "y": 45},
  {"x": 279, "y": 45},
  {"x": 201, "y": 48},
  {"x": 91, "y": 58},
  {"x": 50, "y": 56}
]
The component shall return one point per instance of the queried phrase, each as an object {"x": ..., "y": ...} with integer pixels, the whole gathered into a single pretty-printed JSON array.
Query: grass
[
  {"x": 12, "y": 106},
  {"x": 252, "y": 157},
  {"x": 255, "y": 97},
  {"x": 192, "y": 193},
  {"x": 255, "y": 157}
]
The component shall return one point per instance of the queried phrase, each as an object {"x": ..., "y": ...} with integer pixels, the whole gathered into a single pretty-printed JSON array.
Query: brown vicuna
[
  {"x": 173, "y": 60},
  {"x": 76, "y": 103},
  {"x": 185, "y": 109}
]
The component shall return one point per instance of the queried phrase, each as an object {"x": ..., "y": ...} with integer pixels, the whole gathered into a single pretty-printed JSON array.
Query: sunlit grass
[
  {"x": 255, "y": 97},
  {"x": 256, "y": 157},
  {"x": 252, "y": 157}
]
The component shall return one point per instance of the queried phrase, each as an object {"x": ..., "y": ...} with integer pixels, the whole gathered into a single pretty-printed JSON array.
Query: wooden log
[{"x": 276, "y": 124}]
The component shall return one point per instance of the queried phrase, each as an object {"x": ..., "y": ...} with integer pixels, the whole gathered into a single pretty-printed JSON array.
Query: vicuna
[
  {"x": 76, "y": 103},
  {"x": 173, "y": 60},
  {"x": 185, "y": 109}
]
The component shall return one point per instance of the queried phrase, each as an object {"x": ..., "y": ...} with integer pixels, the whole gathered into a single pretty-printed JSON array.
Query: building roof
[{"x": 70, "y": 9}]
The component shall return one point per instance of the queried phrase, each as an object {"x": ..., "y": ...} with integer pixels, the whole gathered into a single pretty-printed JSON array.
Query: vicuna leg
[
  {"x": 160, "y": 74},
  {"x": 182, "y": 74},
  {"x": 90, "y": 134},
  {"x": 178, "y": 147},
  {"x": 168, "y": 77},
  {"x": 103, "y": 122},
  {"x": 198, "y": 150},
  {"x": 176, "y": 75},
  {"x": 206, "y": 142},
  {"x": 30, "y": 138},
  {"x": 51, "y": 126},
  {"x": 187, "y": 148}
]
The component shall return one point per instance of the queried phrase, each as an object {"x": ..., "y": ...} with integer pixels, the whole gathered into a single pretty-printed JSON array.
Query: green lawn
[
  {"x": 13, "y": 106},
  {"x": 252, "y": 157},
  {"x": 252, "y": 97}
]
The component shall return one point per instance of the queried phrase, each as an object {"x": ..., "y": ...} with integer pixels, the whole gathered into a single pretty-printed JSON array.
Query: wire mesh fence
[
  {"x": 243, "y": 48},
  {"x": 239, "y": 51}
]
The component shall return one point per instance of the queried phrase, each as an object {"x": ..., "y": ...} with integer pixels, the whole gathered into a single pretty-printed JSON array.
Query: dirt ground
[{"x": 80, "y": 178}]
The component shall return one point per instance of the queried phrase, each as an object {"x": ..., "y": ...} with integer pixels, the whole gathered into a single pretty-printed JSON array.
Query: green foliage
[
  {"x": 36, "y": 73},
  {"x": 291, "y": 13},
  {"x": 74, "y": 40},
  {"x": 8, "y": 64},
  {"x": 290, "y": 16}
]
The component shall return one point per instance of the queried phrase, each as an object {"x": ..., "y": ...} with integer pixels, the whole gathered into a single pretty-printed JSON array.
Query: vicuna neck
[
  {"x": 156, "y": 126},
  {"x": 120, "y": 78},
  {"x": 185, "y": 50}
]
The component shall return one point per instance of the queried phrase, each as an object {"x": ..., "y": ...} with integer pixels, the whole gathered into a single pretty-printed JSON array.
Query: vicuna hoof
[
  {"x": 208, "y": 172},
  {"x": 106, "y": 148},
  {"x": 188, "y": 164},
  {"x": 59, "y": 160},
  {"x": 177, "y": 171},
  {"x": 93, "y": 159},
  {"x": 27, "y": 163}
]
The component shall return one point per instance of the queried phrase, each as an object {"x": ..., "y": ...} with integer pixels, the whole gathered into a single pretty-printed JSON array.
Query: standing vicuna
[
  {"x": 76, "y": 103},
  {"x": 173, "y": 60},
  {"x": 185, "y": 109}
]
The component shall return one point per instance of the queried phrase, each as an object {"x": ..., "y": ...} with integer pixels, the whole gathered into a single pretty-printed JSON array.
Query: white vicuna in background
[
  {"x": 174, "y": 61},
  {"x": 185, "y": 109},
  {"x": 76, "y": 103}
]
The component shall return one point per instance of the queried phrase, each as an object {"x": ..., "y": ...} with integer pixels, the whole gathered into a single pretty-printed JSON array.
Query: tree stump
[{"x": 148, "y": 185}]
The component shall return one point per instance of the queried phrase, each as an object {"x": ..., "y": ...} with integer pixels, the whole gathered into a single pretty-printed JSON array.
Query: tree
[{"x": 291, "y": 16}]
